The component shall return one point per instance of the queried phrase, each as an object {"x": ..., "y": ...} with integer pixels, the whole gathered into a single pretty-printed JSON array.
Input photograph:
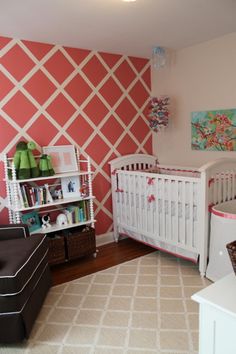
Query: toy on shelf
[
  {"x": 24, "y": 161},
  {"x": 48, "y": 198},
  {"x": 45, "y": 219},
  {"x": 84, "y": 189},
  {"x": 56, "y": 194},
  {"x": 45, "y": 166},
  {"x": 61, "y": 220}
]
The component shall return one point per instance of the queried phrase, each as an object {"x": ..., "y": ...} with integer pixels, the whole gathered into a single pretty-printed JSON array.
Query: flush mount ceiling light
[
  {"x": 129, "y": 0},
  {"x": 159, "y": 57}
]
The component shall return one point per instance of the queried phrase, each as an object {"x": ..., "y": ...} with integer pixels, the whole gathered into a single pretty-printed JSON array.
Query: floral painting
[{"x": 214, "y": 130}]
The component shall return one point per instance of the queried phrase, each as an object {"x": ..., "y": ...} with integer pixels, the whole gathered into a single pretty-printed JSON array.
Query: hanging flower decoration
[{"x": 159, "y": 113}]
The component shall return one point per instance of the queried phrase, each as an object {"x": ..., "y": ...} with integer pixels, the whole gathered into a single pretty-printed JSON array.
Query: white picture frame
[
  {"x": 70, "y": 187},
  {"x": 63, "y": 158}
]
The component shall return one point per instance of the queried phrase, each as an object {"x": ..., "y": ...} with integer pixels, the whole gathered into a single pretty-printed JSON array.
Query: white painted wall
[{"x": 202, "y": 77}]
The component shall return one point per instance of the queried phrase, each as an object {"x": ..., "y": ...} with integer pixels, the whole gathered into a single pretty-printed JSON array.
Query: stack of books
[
  {"x": 77, "y": 213},
  {"x": 31, "y": 196}
]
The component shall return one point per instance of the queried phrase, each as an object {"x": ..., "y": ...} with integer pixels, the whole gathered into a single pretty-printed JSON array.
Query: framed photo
[
  {"x": 32, "y": 220},
  {"x": 70, "y": 187},
  {"x": 63, "y": 158}
]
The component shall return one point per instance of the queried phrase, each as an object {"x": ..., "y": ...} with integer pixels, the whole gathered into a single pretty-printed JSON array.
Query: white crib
[{"x": 167, "y": 207}]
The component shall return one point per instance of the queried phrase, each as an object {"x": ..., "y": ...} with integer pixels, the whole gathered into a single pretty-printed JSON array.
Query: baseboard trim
[{"x": 106, "y": 238}]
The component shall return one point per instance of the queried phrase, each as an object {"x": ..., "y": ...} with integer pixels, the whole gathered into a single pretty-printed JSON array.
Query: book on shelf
[
  {"x": 20, "y": 197},
  {"x": 24, "y": 196},
  {"x": 32, "y": 196},
  {"x": 77, "y": 213},
  {"x": 28, "y": 194}
]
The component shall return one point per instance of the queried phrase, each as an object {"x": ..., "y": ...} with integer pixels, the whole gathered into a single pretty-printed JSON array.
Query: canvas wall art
[{"x": 214, "y": 130}]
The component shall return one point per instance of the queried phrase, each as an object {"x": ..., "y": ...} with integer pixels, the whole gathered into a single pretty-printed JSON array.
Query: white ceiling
[{"x": 116, "y": 26}]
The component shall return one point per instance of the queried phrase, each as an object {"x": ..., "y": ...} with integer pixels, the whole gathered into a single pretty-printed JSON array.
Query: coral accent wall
[{"x": 56, "y": 95}]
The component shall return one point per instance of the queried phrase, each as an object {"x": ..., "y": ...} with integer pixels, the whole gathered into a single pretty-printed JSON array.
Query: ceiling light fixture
[
  {"x": 129, "y": 0},
  {"x": 159, "y": 57}
]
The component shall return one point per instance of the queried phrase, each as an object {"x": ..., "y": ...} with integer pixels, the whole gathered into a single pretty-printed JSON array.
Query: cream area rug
[{"x": 139, "y": 307}]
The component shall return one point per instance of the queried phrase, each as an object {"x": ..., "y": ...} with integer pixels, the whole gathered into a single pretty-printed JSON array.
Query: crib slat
[
  {"x": 183, "y": 218},
  {"x": 120, "y": 197},
  {"x": 141, "y": 204},
  {"x": 163, "y": 235},
  {"x": 219, "y": 197},
  {"x": 215, "y": 184},
  {"x": 229, "y": 185},
  {"x": 135, "y": 221},
  {"x": 157, "y": 217},
  {"x": 144, "y": 211},
  {"x": 176, "y": 208},
  {"x": 224, "y": 185},
  {"x": 191, "y": 204},
  {"x": 125, "y": 184},
  {"x": 146, "y": 204},
  {"x": 233, "y": 185},
  {"x": 169, "y": 218},
  {"x": 153, "y": 228},
  {"x": 130, "y": 198}
]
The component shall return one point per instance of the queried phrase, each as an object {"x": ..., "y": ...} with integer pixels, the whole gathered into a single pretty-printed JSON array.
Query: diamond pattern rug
[{"x": 138, "y": 307}]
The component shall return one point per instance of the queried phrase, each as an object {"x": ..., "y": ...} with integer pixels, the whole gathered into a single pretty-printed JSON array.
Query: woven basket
[
  {"x": 231, "y": 247},
  {"x": 80, "y": 243},
  {"x": 56, "y": 252}
]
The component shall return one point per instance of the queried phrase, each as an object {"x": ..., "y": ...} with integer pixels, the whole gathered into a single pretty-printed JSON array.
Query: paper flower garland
[{"x": 159, "y": 113}]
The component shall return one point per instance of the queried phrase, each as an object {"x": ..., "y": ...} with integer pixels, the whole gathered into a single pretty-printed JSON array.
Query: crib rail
[
  {"x": 159, "y": 206},
  {"x": 222, "y": 187}
]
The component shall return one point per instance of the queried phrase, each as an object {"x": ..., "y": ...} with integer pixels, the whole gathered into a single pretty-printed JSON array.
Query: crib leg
[
  {"x": 116, "y": 234},
  {"x": 202, "y": 274},
  {"x": 116, "y": 238},
  {"x": 202, "y": 266}
]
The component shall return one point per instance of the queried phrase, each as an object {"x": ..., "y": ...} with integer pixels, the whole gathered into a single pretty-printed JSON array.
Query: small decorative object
[
  {"x": 31, "y": 220},
  {"x": 24, "y": 160},
  {"x": 159, "y": 113},
  {"x": 70, "y": 187},
  {"x": 45, "y": 166},
  {"x": 45, "y": 219},
  {"x": 48, "y": 194},
  {"x": 61, "y": 220},
  {"x": 63, "y": 157},
  {"x": 214, "y": 130},
  {"x": 84, "y": 189},
  {"x": 56, "y": 194}
]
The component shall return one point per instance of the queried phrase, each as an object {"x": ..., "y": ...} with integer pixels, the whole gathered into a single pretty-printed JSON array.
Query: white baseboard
[{"x": 106, "y": 238}]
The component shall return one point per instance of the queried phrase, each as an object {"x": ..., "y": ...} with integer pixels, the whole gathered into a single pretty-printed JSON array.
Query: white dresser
[{"x": 217, "y": 332}]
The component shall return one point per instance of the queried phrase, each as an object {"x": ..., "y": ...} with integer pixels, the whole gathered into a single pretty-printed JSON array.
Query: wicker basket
[
  {"x": 231, "y": 247},
  {"x": 80, "y": 242},
  {"x": 56, "y": 252}
]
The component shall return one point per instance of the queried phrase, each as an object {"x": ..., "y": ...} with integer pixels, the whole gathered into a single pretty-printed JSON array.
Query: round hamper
[{"x": 223, "y": 231}]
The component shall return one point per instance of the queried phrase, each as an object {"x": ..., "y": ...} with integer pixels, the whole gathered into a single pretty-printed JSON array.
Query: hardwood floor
[{"x": 107, "y": 256}]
